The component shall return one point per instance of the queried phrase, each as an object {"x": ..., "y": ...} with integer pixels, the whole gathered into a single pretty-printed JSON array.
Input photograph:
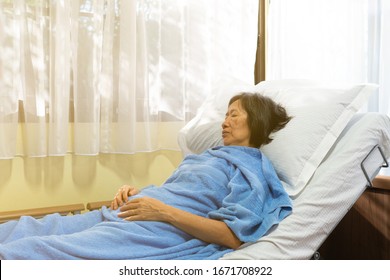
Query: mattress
[{"x": 331, "y": 192}]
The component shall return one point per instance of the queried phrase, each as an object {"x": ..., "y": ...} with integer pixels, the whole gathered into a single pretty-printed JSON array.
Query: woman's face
[{"x": 235, "y": 129}]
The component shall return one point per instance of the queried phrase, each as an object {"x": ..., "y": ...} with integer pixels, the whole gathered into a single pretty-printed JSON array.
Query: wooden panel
[
  {"x": 40, "y": 212},
  {"x": 364, "y": 233},
  {"x": 260, "y": 62}
]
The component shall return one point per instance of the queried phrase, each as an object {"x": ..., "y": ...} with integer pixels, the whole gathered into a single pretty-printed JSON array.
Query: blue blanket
[{"x": 235, "y": 184}]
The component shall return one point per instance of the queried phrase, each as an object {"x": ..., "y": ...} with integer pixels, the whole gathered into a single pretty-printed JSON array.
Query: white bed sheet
[{"x": 331, "y": 192}]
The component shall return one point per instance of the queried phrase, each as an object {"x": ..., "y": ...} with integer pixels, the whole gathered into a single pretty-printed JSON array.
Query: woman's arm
[{"x": 208, "y": 230}]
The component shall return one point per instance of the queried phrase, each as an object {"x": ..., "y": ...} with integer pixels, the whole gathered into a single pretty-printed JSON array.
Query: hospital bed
[{"x": 326, "y": 157}]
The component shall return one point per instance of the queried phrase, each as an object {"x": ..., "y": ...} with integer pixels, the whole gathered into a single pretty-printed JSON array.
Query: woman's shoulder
[{"x": 237, "y": 151}]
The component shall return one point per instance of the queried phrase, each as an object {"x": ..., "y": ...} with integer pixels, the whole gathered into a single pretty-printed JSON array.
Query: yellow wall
[{"x": 40, "y": 182}]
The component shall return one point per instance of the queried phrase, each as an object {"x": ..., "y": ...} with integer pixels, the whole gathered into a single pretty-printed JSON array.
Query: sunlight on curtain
[
  {"x": 384, "y": 58},
  {"x": 115, "y": 76},
  {"x": 8, "y": 92},
  {"x": 191, "y": 44},
  {"x": 331, "y": 40},
  {"x": 317, "y": 39}
]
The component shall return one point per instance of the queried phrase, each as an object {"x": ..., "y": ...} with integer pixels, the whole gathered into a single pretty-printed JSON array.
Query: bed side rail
[
  {"x": 372, "y": 163},
  {"x": 98, "y": 204},
  {"x": 40, "y": 212}
]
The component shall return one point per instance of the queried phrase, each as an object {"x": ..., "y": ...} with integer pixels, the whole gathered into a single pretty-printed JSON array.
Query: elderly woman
[{"x": 211, "y": 204}]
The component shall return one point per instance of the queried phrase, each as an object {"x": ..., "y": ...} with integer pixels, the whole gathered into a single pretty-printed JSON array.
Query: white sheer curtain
[
  {"x": 331, "y": 40},
  {"x": 383, "y": 100},
  {"x": 111, "y": 76}
]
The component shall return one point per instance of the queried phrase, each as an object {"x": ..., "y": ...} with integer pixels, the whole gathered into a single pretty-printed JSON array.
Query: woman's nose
[{"x": 225, "y": 123}]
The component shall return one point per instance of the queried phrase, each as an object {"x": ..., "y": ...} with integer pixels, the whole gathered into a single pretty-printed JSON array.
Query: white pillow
[
  {"x": 204, "y": 130},
  {"x": 320, "y": 112}
]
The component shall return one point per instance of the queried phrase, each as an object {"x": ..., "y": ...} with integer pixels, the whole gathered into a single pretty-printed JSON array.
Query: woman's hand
[
  {"x": 145, "y": 209},
  {"x": 208, "y": 230},
  {"x": 122, "y": 195}
]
